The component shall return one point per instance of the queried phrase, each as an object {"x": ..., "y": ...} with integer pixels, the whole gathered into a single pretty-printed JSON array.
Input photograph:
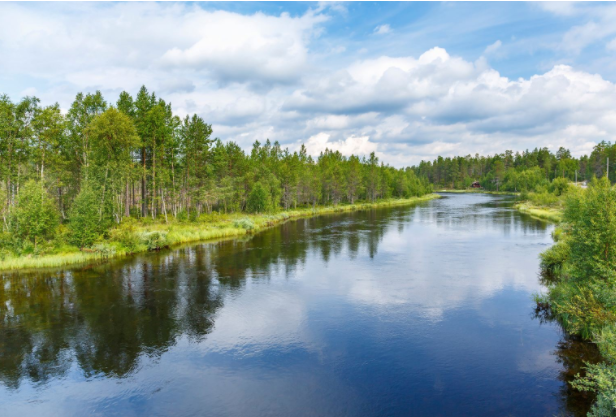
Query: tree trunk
[
  {"x": 144, "y": 206},
  {"x": 127, "y": 198}
]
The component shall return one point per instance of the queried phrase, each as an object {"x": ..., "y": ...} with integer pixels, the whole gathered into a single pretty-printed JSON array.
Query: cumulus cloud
[
  {"x": 352, "y": 145},
  {"x": 242, "y": 48},
  {"x": 382, "y": 29},
  {"x": 258, "y": 76},
  {"x": 53, "y": 42}
]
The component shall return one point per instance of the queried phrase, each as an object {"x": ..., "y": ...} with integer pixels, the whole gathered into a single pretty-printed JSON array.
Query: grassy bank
[
  {"x": 141, "y": 236},
  {"x": 543, "y": 213}
]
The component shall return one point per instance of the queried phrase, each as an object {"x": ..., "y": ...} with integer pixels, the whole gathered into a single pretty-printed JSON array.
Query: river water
[{"x": 423, "y": 310}]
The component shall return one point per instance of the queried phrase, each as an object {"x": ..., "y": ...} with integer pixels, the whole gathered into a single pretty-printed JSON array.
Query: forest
[
  {"x": 525, "y": 171},
  {"x": 67, "y": 178}
]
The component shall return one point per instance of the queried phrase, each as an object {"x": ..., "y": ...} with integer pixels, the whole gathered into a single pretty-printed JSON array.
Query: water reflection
[{"x": 379, "y": 312}]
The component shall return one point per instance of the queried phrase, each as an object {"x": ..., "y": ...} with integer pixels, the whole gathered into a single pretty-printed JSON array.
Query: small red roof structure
[{"x": 476, "y": 185}]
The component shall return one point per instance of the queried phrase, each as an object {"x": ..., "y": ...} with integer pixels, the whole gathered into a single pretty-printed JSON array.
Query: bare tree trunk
[
  {"x": 127, "y": 198},
  {"x": 144, "y": 204}
]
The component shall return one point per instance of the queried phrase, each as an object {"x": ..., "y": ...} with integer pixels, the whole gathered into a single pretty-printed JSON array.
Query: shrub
[
  {"x": 35, "y": 217},
  {"x": 126, "y": 235},
  {"x": 554, "y": 258},
  {"x": 559, "y": 186},
  {"x": 154, "y": 240},
  {"x": 244, "y": 223}
]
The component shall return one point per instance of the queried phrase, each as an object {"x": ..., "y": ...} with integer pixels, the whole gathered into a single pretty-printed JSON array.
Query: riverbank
[
  {"x": 540, "y": 212},
  {"x": 138, "y": 237}
]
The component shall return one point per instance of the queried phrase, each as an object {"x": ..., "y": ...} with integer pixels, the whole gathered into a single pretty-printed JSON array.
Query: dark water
[{"x": 422, "y": 311}]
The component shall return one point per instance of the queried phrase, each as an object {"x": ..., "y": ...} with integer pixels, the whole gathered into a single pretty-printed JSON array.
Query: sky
[{"x": 409, "y": 81}]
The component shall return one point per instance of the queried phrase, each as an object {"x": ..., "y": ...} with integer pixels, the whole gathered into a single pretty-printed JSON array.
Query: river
[{"x": 422, "y": 310}]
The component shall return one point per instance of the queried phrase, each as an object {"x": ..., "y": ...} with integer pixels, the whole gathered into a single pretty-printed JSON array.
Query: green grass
[
  {"x": 209, "y": 227},
  {"x": 543, "y": 213}
]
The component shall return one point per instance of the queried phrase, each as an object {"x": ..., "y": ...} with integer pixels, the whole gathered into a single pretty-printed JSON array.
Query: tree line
[
  {"x": 99, "y": 163},
  {"x": 520, "y": 171}
]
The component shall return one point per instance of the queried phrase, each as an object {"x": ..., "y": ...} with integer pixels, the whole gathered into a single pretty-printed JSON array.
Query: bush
[
  {"x": 543, "y": 198},
  {"x": 554, "y": 258},
  {"x": 154, "y": 240},
  {"x": 244, "y": 223},
  {"x": 126, "y": 235},
  {"x": 35, "y": 217},
  {"x": 559, "y": 186}
]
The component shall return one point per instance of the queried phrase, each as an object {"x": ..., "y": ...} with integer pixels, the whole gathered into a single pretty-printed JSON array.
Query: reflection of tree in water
[
  {"x": 573, "y": 353},
  {"x": 287, "y": 246},
  {"x": 106, "y": 317}
]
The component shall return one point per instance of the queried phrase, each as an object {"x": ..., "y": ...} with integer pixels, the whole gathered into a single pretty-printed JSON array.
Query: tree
[
  {"x": 84, "y": 222},
  {"x": 591, "y": 217},
  {"x": 35, "y": 217},
  {"x": 113, "y": 138},
  {"x": 258, "y": 198}
]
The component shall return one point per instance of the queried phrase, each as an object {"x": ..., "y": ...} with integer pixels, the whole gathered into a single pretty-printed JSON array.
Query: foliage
[
  {"x": 258, "y": 199},
  {"x": 244, "y": 223},
  {"x": 35, "y": 217},
  {"x": 85, "y": 220},
  {"x": 591, "y": 217},
  {"x": 154, "y": 240},
  {"x": 583, "y": 296},
  {"x": 554, "y": 258}
]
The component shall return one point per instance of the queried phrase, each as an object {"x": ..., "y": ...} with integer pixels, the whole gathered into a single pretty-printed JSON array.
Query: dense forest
[
  {"x": 524, "y": 171},
  {"x": 98, "y": 163}
]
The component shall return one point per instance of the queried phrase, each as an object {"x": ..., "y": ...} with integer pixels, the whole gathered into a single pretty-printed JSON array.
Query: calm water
[{"x": 422, "y": 311}]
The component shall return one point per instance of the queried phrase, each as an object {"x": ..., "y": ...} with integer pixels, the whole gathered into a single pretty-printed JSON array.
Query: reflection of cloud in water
[
  {"x": 431, "y": 267},
  {"x": 250, "y": 323}
]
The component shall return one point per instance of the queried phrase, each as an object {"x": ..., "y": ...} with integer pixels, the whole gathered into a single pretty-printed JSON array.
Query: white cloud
[
  {"x": 561, "y": 8},
  {"x": 259, "y": 76},
  {"x": 241, "y": 48},
  {"x": 611, "y": 45},
  {"x": 599, "y": 25},
  {"x": 382, "y": 29},
  {"x": 352, "y": 145},
  {"x": 148, "y": 39},
  {"x": 493, "y": 47}
]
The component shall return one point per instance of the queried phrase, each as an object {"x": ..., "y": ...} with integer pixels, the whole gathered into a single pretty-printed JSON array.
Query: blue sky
[{"x": 406, "y": 80}]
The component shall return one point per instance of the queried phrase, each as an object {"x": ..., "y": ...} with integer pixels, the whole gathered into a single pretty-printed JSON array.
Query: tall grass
[
  {"x": 543, "y": 213},
  {"x": 136, "y": 237}
]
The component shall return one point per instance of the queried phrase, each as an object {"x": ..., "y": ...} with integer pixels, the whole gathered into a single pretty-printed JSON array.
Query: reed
[{"x": 543, "y": 213}]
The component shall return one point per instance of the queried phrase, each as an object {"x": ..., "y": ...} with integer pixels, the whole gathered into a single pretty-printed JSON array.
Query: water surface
[{"x": 423, "y": 310}]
